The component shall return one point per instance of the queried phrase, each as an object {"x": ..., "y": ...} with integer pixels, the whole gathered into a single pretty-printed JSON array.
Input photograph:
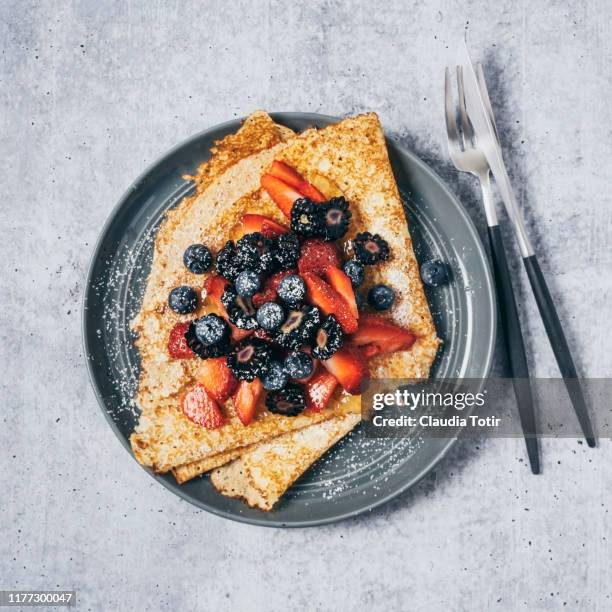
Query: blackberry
[
  {"x": 247, "y": 283},
  {"x": 334, "y": 218},
  {"x": 255, "y": 252},
  {"x": 292, "y": 290},
  {"x": 289, "y": 401},
  {"x": 328, "y": 339},
  {"x": 211, "y": 329},
  {"x": 354, "y": 270},
  {"x": 197, "y": 258},
  {"x": 240, "y": 310},
  {"x": 183, "y": 299},
  {"x": 286, "y": 251},
  {"x": 270, "y": 316},
  {"x": 202, "y": 350},
  {"x": 227, "y": 263},
  {"x": 381, "y": 297},
  {"x": 370, "y": 248},
  {"x": 275, "y": 377},
  {"x": 306, "y": 218},
  {"x": 249, "y": 359},
  {"x": 298, "y": 365},
  {"x": 299, "y": 327}
]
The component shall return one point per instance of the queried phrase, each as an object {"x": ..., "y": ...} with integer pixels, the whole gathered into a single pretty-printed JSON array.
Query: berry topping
[
  {"x": 275, "y": 377},
  {"x": 334, "y": 218},
  {"x": 270, "y": 316},
  {"x": 247, "y": 283},
  {"x": 227, "y": 264},
  {"x": 286, "y": 251},
  {"x": 434, "y": 273},
  {"x": 330, "y": 301},
  {"x": 255, "y": 252},
  {"x": 381, "y": 297},
  {"x": 341, "y": 283},
  {"x": 298, "y": 365},
  {"x": 200, "y": 408},
  {"x": 215, "y": 286},
  {"x": 183, "y": 299},
  {"x": 327, "y": 339},
  {"x": 350, "y": 369},
  {"x": 269, "y": 294},
  {"x": 370, "y": 248},
  {"x": 299, "y": 327},
  {"x": 316, "y": 255},
  {"x": 355, "y": 271},
  {"x": 250, "y": 223},
  {"x": 292, "y": 290},
  {"x": 306, "y": 218},
  {"x": 217, "y": 378},
  {"x": 205, "y": 351},
  {"x": 319, "y": 390},
  {"x": 379, "y": 335},
  {"x": 289, "y": 401},
  {"x": 177, "y": 345},
  {"x": 211, "y": 329},
  {"x": 197, "y": 258},
  {"x": 288, "y": 175},
  {"x": 245, "y": 399},
  {"x": 240, "y": 310},
  {"x": 249, "y": 359},
  {"x": 283, "y": 195}
]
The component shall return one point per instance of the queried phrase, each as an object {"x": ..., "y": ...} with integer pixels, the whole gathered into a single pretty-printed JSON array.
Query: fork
[{"x": 468, "y": 157}]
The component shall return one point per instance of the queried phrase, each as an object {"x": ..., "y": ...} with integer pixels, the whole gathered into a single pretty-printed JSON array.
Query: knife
[{"x": 483, "y": 121}]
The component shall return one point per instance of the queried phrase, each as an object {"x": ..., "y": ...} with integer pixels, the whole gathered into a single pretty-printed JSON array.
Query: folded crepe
[{"x": 351, "y": 156}]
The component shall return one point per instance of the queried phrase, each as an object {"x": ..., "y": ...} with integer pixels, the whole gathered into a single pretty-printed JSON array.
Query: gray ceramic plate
[{"x": 358, "y": 474}]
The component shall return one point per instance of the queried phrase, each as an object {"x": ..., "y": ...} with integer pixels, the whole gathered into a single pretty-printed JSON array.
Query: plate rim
[{"x": 95, "y": 254}]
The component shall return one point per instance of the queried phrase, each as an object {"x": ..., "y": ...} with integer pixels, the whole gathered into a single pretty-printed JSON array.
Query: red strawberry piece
[
  {"x": 250, "y": 223},
  {"x": 283, "y": 195},
  {"x": 350, "y": 368},
  {"x": 342, "y": 284},
  {"x": 321, "y": 294},
  {"x": 293, "y": 178},
  {"x": 319, "y": 389},
  {"x": 245, "y": 399},
  {"x": 269, "y": 292},
  {"x": 218, "y": 379},
  {"x": 215, "y": 286},
  {"x": 316, "y": 256},
  {"x": 177, "y": 345},
  {"x": 377, "y": 335},
  {"x": 200, "y": 408}
]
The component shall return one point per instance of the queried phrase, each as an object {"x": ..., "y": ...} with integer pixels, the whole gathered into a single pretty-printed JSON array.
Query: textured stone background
[{"x": 91, "y": 93}]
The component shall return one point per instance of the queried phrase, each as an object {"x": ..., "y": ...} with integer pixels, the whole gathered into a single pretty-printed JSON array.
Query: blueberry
[
  {"x": 275, "y": 377},
  {"x": 183, "y": 299},
  {"x": 298, "y": 365},
  {"x": 434, "y": 273},
  {"x": 247, "y": 283},
  {"x": 381, "y": 297},
  {"x": 292, "y": 290},
  {"x": 211, "y": 329},
  {"x": 355, "y": 271},
  {"x": 270, "y": 316},
  {"x": 197, "y": 258}
]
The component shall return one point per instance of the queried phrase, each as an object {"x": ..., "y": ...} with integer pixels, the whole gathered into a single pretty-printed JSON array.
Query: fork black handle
[
  {"x": 515, "y": 347},
  {"x": 559, "y": 345}
]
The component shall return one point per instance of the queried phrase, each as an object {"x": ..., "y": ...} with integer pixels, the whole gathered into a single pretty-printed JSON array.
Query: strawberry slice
[
  {"x": 200, "y": 408},
  {"x": 350, "y": 368},
  {"x": 317, "y": 255},
  {"x": 177, "y": 345},
  {"x": 319, "y": 389},
  {"x": 215, "y": 286},
  {"x": 283, "y": 195},
  {"x": 245, "y": 399},
  {"x": 293, "y": 178},
  {"x": 342, "y": 284},
  {"x": 250, "y": 223},
  {"x": 377, "y": 335},
  {"x": 217, "y": 378},
  {"x": 319, "y": 293},
  {"x": 269, "y": 292}
]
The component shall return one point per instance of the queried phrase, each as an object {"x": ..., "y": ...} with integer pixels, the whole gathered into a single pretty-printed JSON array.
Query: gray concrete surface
[{"x": 91, "y": 93}]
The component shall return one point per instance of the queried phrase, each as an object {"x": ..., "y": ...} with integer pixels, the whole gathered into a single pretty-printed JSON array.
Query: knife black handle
[
  {"x": 515, "y": 347},
  {"x": 559, "y": 345}
]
